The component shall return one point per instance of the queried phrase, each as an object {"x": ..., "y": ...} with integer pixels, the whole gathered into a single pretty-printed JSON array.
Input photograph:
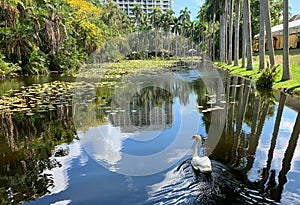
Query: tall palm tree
[
  {"x": 167, "y": 20},
  {"x": 145, "y": 22},
  {"x": 230, "y": 34},
  {"x": 137, "y": 12},
  {"x": 262, "y": 37},
  {"x": 176, "y": 26},
  {"x": 191, "y": 30},
  {"x": 286, "y": 66},
  {"x": 155, "y": 17},
  {"x": 223, "y": 31},
  {"x": 237, "y": 32},
  {"x": 249, "y": 36},
  {"x": 269, "y": 32},
  {"x": 244, "y": 40},
  {"x": 185, "y": 18},
  {"x": 176, "y": 29}
]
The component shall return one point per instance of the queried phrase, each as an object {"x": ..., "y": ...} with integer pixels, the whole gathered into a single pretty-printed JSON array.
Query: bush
[
  {"x": 68, "y": 58},
  {"x": 37, "y": 64},
  {"x": 267, "y": 78},
  {"x": 8, "y": 69}
]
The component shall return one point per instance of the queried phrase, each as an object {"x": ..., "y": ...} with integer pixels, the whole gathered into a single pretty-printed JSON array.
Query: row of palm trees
[
  {"x": 197, "y": 31},
  {"x": 230, "y": 42},
  {"x": 160, "y": 20},
  {"x": 217, "y": 28}
]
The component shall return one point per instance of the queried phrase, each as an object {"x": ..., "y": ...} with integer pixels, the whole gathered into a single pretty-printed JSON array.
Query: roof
[
  {"x": 295, "y": 17},
  {"x": 294, "y": 28}
]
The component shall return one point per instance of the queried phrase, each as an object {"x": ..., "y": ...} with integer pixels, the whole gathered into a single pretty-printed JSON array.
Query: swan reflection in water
[{"x": 185, "y": 185}]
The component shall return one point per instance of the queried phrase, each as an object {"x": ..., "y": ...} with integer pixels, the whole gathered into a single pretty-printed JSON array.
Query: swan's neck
[{"x": 195, "y": 154}]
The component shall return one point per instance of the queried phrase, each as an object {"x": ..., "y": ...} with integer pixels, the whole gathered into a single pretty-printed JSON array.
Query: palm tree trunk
[
  {"x": 249, "y": 37},
  {"x": 244, "y": 43},
  {"x": 269, "y": 32},
  {"x": 214, "y": 39},
  {"x": 262, "y": 41},
  {"x": 226, "y": 29},
  {"x": 286, "y": 65},
  {"x": 223, "y": 33},
  {"x": 230, "y": 34},
  {"x": 237, "y": 32}
]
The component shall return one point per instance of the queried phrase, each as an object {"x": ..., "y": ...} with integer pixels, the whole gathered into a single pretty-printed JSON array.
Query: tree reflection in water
[
  {"x": 237, "y": 147},
  {"x": 28, "y": 142}
]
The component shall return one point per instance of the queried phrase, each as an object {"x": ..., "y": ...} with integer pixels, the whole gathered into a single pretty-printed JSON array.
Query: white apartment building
[{"x": 147, "y": 5}]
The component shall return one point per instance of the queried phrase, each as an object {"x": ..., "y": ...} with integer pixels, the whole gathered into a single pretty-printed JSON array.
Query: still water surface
[{"x": 97, "y": 151}]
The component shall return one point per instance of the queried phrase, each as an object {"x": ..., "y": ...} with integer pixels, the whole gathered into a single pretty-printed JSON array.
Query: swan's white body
[{"x": 203, "y": 164}]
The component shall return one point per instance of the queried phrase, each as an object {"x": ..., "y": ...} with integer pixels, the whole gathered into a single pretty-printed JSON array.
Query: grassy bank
[{"x": 291, "y": 86}]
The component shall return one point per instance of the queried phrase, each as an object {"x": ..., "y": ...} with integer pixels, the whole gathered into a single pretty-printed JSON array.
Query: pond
[{"x": 129, "y": 141}]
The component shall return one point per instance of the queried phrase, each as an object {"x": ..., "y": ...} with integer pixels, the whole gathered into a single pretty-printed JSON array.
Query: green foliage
[
  {"x": 43, "y": 36},
  {"x": 68, "y": 57},
  {"x": 267, "y": 78},
  {"x": 7, "y": 69},
  {"x": 37, "y": 64},
  {"x": 276, "y": 7}
]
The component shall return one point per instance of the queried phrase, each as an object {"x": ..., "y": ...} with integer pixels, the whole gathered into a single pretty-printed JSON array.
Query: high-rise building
[{"x": 147, "y": 5}]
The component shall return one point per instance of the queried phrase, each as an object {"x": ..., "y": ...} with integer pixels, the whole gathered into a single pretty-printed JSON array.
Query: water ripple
[{"x": 183, "y": 185}]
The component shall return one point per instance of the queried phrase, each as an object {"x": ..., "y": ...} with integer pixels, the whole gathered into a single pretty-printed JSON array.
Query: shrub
[
  {"x": 37, "y": 64},
  {"x": 8, "y": 69},
  {"x": 267, "y": 78}
]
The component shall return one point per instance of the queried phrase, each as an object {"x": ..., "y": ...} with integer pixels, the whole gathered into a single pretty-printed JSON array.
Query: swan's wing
[{"x": 202, "y": 163}]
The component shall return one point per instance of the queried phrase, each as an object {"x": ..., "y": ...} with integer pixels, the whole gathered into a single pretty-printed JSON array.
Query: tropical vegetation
[{"x": 41, "y": 36}]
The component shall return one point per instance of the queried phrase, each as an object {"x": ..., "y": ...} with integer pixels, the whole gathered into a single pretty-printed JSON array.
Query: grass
[{"x": 291, "y": 86}]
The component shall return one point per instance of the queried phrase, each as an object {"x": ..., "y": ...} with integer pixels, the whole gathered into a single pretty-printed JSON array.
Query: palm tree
[
  {"x": 230, "y": 34},
  {"x": 155, "y": 17},
  {"x": 19, "y": 43},
  {"x": 192, "y": 27},
  {"x": 185, "y": 18},
  {"x": 176, "y": 26},
  {"x": 167, "y": 20},
  {"x": 262, "y": 37},
  {"x": 145, "y": 22},
  {"x": 155, "y": 20},
  {"x": 176, "y": 29},
  {"x": 244, "y": 40},
  {"x": 237, "y": 32},
  {"x": 249, "y": 36},
  {"x": 137, "y": 12},
  {"x": 286, "y": 67},
  {"x": 223, "y": 31},
  {"x": 269, "y": 32}
]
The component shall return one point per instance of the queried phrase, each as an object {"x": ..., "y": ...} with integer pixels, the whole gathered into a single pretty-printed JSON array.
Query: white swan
[{"x": 203, "y": 164}]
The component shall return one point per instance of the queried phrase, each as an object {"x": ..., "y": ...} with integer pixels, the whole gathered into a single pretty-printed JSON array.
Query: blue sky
[{"x": 194, "y": 6}]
